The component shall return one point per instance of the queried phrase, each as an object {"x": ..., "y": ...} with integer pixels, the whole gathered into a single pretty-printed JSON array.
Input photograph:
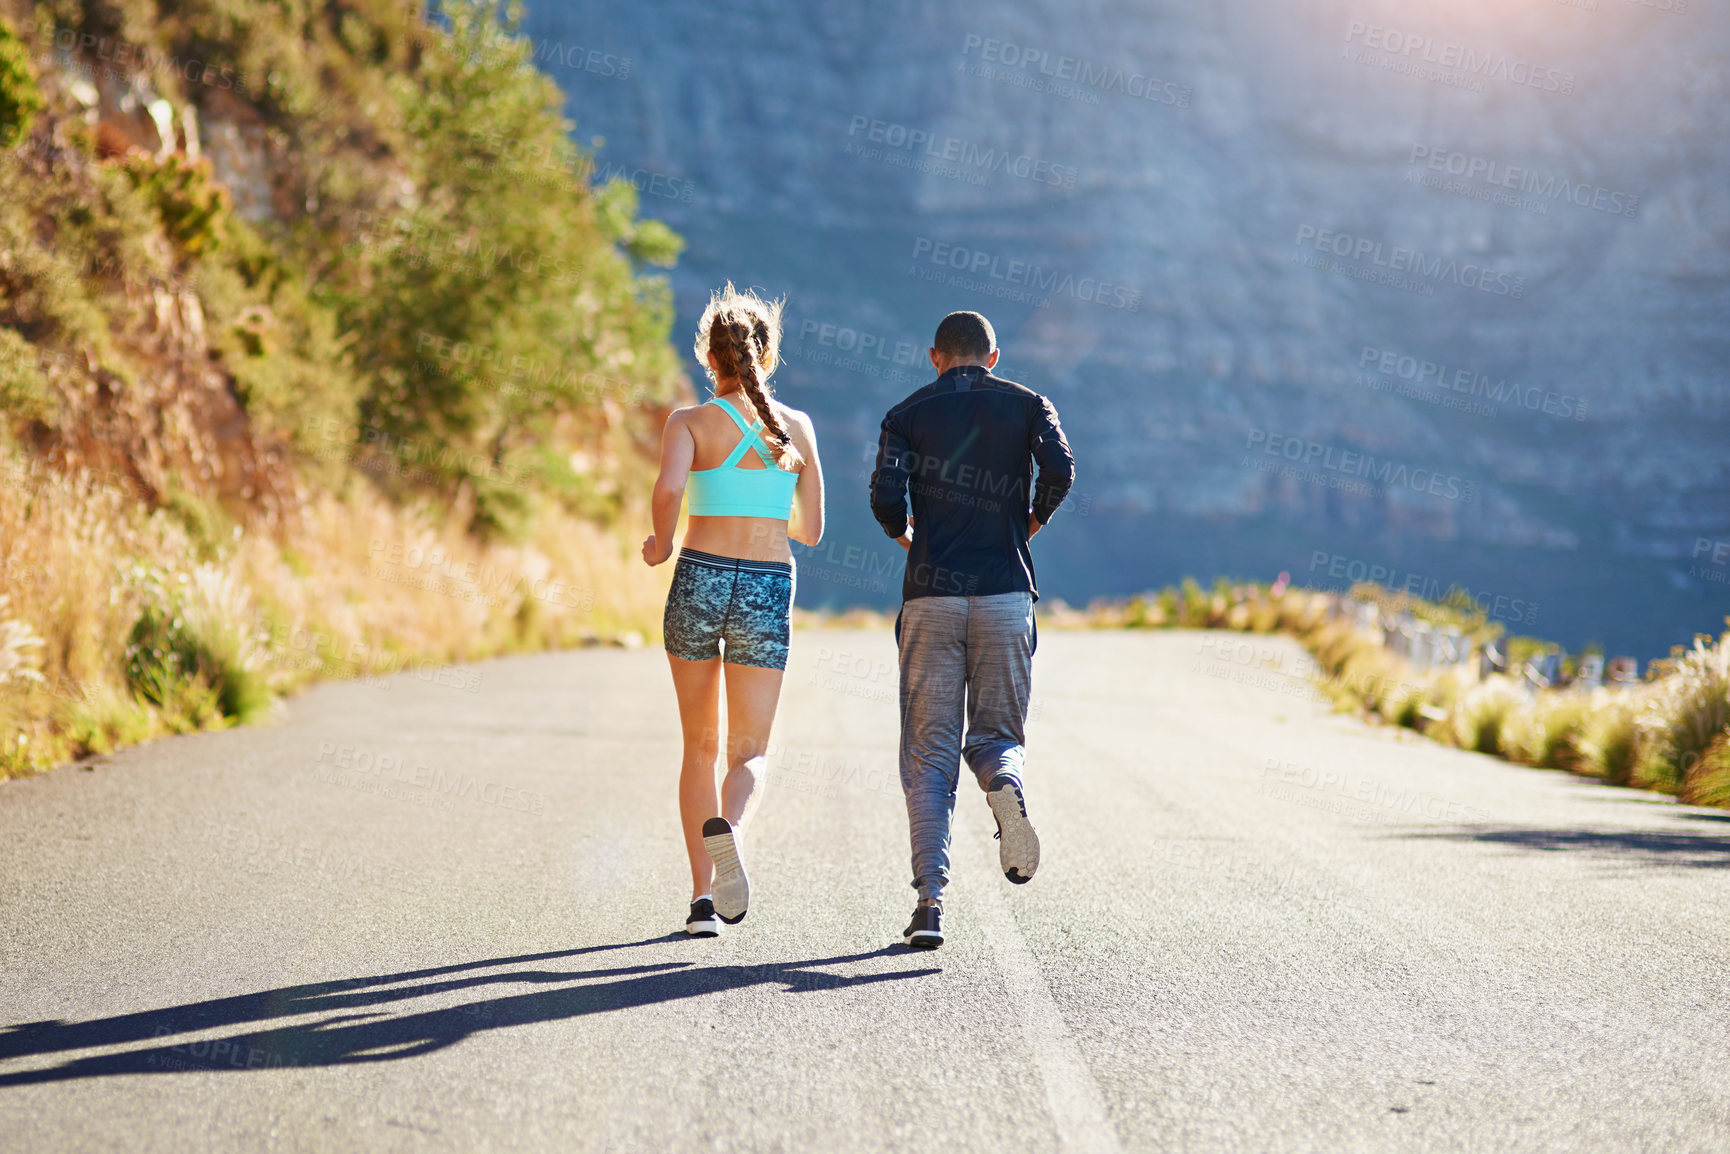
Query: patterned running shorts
[{"x": 746, "y": 604}]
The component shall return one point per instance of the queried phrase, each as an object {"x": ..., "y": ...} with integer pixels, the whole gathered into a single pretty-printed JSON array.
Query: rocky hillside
[
  {"x": 1432, "y": 289},
  {"x": 323, "y": 352}
]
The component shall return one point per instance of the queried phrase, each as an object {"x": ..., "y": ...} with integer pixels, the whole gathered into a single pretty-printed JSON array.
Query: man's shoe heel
[
  {"x": 925, "y": 931},
  {"x": 1018, "y": 851}
]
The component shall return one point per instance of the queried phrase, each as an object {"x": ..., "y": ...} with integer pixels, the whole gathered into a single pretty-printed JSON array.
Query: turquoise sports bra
[{"x": 730, "y": 491}]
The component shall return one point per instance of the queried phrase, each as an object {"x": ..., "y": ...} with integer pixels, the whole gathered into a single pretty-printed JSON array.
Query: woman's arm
[
  {"x": 807, "y": 524},
  {"x": 678, "y": 449}
]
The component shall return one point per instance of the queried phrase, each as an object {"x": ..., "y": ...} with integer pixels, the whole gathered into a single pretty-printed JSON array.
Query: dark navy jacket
[{"x": 963, "y": 449}]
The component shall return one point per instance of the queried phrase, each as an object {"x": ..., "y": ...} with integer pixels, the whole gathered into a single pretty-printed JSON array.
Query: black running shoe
[
  {"x": 925, "y": 931},
  {"x": 703, "y": 923},
  {"x": 732, "y": 887},
  {"x": 1019, "y": 852}
]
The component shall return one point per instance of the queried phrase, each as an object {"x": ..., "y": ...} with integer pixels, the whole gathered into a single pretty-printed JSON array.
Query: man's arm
[
  {"x": 889, "y": 480},
  {"x": 1056, "y": 466},
  {"x": 806, "y": 527}
]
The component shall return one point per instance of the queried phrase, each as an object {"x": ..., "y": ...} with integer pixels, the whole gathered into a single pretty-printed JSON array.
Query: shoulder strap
[{"x": 751, "y": 439}]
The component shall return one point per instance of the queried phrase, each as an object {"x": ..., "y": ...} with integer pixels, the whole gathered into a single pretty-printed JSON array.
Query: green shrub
[
  {"x": 1444, "y": 690},
  {"x": 507, "y": 254},
  {"x": 1192, "y": 605},
  {"x": 193, "y": 651},
  {"x": 162, "y": 667},
  {"x": 20, "y": 98},
  {"x": 502, "y": 511},
  {"x": 42, "y": 288},
  {"x": 1685, "y": 712},
  {"x": 106, "y": 720},
  {"x": 1402, "y": 705},
  {"x": 1708, "y": 781},
  {"x": 193, "y": 206},
  {"x": 206, "y": 525},
  {"x": 1477, "y": 721},
  {"x": 1547, "y": 732},
  {"x": 1609, "y": 740},
  {"x": 23, "y": 389},
  {"x": 285, "y": 352}
]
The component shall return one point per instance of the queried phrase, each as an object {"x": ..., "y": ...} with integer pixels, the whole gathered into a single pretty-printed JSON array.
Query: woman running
[{"x": 750, "y": 463}]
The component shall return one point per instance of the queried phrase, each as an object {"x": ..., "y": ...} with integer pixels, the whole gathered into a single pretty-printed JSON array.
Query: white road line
[{"x": 1073, "y": 1097}]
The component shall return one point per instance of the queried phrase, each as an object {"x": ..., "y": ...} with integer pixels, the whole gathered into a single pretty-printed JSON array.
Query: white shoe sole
[
  {"x": 923, "y": 940},
  {"x": 706, "y": 928},
  {"x": 732, "y": 887},
  {"x": 1018, "y": 851}
]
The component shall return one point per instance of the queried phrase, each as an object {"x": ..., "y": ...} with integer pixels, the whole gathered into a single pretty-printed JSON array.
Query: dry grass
[
  {"x": 1670, "y": 734},
  {"x": 1684, "y": 714},
  {"x": 1609, "y": 740},
  {"x": 1479, "y": 720},
  {"x": 119, "y": 623},
  {"x": 1708, "y": 781},
  {"x": 1547, "y": 733}
]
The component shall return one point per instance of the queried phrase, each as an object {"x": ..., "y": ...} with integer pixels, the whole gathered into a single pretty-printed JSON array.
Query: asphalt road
[{"x": 436, "y": 914}]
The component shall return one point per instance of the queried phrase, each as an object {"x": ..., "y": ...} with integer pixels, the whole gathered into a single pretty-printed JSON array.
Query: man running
[{"x": 963, "y": 448}]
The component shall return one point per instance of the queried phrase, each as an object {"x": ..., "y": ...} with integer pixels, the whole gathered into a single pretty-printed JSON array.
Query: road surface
[{"x": 442, "y": 913}]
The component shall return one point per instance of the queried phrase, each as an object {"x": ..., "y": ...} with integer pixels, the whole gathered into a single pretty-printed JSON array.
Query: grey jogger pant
[{"x": 961, "y": 658}]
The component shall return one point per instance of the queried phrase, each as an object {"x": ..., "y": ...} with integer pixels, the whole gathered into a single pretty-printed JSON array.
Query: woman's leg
[
  {"x": 752, "y": 695},
  {"x": 698, "y": 686}
]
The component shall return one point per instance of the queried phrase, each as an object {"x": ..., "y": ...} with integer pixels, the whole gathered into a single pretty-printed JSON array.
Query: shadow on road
[
  {"x": 1635, "y": 846},
  {"x": 361, "y": 1037}
]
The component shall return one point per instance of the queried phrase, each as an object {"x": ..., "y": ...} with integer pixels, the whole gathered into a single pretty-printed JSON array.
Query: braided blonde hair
[{"x": 744, "y": 332}]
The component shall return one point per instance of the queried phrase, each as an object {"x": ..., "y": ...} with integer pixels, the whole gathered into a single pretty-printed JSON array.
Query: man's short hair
[{"x": 965, "y": 335}]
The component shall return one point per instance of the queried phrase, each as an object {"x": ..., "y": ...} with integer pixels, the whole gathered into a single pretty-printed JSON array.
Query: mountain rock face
[{"x": 1435, "y": 292}]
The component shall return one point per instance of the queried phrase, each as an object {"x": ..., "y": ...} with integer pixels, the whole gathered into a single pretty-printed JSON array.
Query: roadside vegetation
[
  {"x": 1670, "y": 732},
  {"x": 320, "y": 355}
]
